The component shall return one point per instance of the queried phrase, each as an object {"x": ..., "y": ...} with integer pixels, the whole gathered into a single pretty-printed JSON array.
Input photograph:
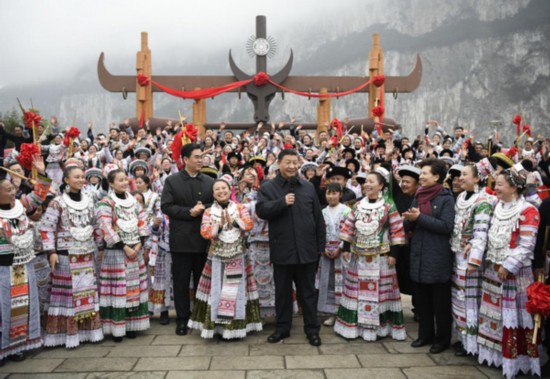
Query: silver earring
[
  {"x": 67, "y": 189},
  {"x": 476, "y": 188}
]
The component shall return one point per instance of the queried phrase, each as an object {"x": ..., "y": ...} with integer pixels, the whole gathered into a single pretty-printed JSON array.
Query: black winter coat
[
  {"x": 431, "y": 256},
  {"x": 297, "y": 233},
  {"x": 181, "y": 193}
]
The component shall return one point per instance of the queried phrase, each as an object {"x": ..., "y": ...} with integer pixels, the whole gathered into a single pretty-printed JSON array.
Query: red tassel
[
  {"x": 338, "y": 126},
  {"x": 527, "y": 129}
]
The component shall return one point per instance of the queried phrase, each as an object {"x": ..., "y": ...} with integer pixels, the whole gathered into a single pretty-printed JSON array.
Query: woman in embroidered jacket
[
  {"x": 226, "y": 300},
  {"x": 473, "y": 210},
  {"x": 123, "y": 279},
  {"x": 370, "y": 306},
  {"x": 505, "y": 327},
  {"x": 67, "y": 231},
  {"x": 19, "y": 304}
]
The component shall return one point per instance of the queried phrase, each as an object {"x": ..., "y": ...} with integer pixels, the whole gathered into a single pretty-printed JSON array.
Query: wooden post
[
  {"x": 199, "y": 115},
  {"x": 323, "y": 112},
  {"x": 144, "y": 95},
  {"x": 376, "y": 67}
]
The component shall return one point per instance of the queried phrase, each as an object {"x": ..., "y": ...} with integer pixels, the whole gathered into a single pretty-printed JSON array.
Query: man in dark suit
[
  {"x": 185, "y": 196},
  {"x": 296, "y": 239}
]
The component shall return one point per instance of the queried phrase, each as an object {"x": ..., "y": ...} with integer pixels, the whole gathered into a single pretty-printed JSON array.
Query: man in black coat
[
  {"x": 296, "y": 239},
  {"x": 185, "y": 196}
]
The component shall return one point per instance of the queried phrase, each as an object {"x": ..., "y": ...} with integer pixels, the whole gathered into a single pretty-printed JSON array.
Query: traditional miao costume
[
  {"x": 258, "y": 250},
  {"x": 19, "y": 304},
  {"x": 123, "y": 282},
  {"x": 331, "y": 271},
  {"x": 56, "y": 155},
  {"x": 472, "y": 217},
  {"x": 67, "y": 228},
  {"x": 42, "y": 272},
  {"x": 505, "y": 326},
  {"x": 160, "y": 293},
  {"x": 371, "y": 303},
  {"x": 226, "y": 300}
]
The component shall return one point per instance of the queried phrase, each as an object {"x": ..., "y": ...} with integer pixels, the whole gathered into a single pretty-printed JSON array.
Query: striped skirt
[
  {"x": 209, "y": 312},
  {"x": 33, "y": 338},
  {"x": 42, "y": 271},
  {"x": 466, "y": 299},
  {"x": 505, "y": 327},
  {"x": 73, "y": 316},
  {"x": 370, "y": 306},
  {"x": 161, "y": 292},
  {"x": 123, "y": 296},
  {"x": 263, "y": 272},
  {"x": 330, "y": 284}
]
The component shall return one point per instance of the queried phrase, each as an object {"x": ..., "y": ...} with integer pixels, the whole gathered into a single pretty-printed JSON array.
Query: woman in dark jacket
[{"x": 431, "y": 219}]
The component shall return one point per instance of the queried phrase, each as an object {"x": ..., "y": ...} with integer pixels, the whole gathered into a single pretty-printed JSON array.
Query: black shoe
[
  {"x": 131, "y": 335},
  {"x": 17, "y": 357},
  {"x": 461, "y": 353},
  {"x": 438, "y": 348},
  {"x": 314, "y": 340},
  {"x": 117, "y": 339},
  {"x": 181, "y": 329},
  {"x": 421, "y": 342},
  {"x": 277, "y": 337},
  {"x": 458, "y": 346},
  {"x": 164, "y": 319}
]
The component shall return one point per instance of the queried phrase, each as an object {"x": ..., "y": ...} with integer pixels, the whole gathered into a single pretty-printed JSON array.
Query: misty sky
[{"x": 51, "y": 39}]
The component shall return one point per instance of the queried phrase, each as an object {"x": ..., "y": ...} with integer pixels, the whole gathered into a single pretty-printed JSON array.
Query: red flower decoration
[
  {"x": 73, "y": 133},
  {"x": 31, "y": 118},
  {"x": 378, "y": 111},
  {"x": 261, "y": 78},
  {"x": 527, "y": 129},
  {"x": 517, "y": 119},
  {"x": 511, "y": 153},
  {"x": 191, "y": 132},
  {"x": 334, "y": 141},
  {"x": 538, "y": 299},
  {"x": 28, "y": 150},
  {"x": 378, "y": 80},
  {"x": 143, "y": 80}
]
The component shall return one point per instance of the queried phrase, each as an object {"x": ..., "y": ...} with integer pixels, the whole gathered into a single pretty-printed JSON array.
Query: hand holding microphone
[{"x": 290, "y": 197}]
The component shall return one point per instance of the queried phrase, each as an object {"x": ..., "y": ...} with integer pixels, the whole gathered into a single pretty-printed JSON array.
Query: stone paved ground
[{"x": 159, "y": 353}]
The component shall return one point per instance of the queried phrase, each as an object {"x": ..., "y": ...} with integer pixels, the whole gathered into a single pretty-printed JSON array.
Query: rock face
[{"x": 483, "y": 60}]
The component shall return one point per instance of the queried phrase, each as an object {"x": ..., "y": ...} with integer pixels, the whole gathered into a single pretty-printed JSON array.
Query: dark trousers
[
  {"x": 303, "y": 276},
  {"x": 183, "y": 264},
  {"x": 433, "y": 305}
]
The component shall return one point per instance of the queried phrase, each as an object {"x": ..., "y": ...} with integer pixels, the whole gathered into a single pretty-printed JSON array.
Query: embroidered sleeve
[
  {"x": 527, "y": 236},
  {"x": 39, "y": 193},
  {"x": 347, "y": 230},
  {"x": 245, "y": 220},
  {"x": 105, "y": 219},
  {"x": 208, "y": 229},
  {"x": 397, "y": 232},
  {"x": 98, "y": 237},
  {"x": 143, "y": 227},
  {"x": 49, "y": 224},
  {"x": 481, "y": 218}
]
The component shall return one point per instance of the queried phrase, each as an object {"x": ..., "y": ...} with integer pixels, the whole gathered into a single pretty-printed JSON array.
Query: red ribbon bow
[
  {"x": 31, "y": 118},
  {"x": 28, "y": 150},
  {"x": 73, "y": 133},
  {"x": 261, "y": 78},
  {"x": 538, "y": 299},
  {"x": 527, "y": 129}
]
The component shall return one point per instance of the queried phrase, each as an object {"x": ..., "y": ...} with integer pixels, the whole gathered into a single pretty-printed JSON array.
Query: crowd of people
[{"x": 100, "y": 234}]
